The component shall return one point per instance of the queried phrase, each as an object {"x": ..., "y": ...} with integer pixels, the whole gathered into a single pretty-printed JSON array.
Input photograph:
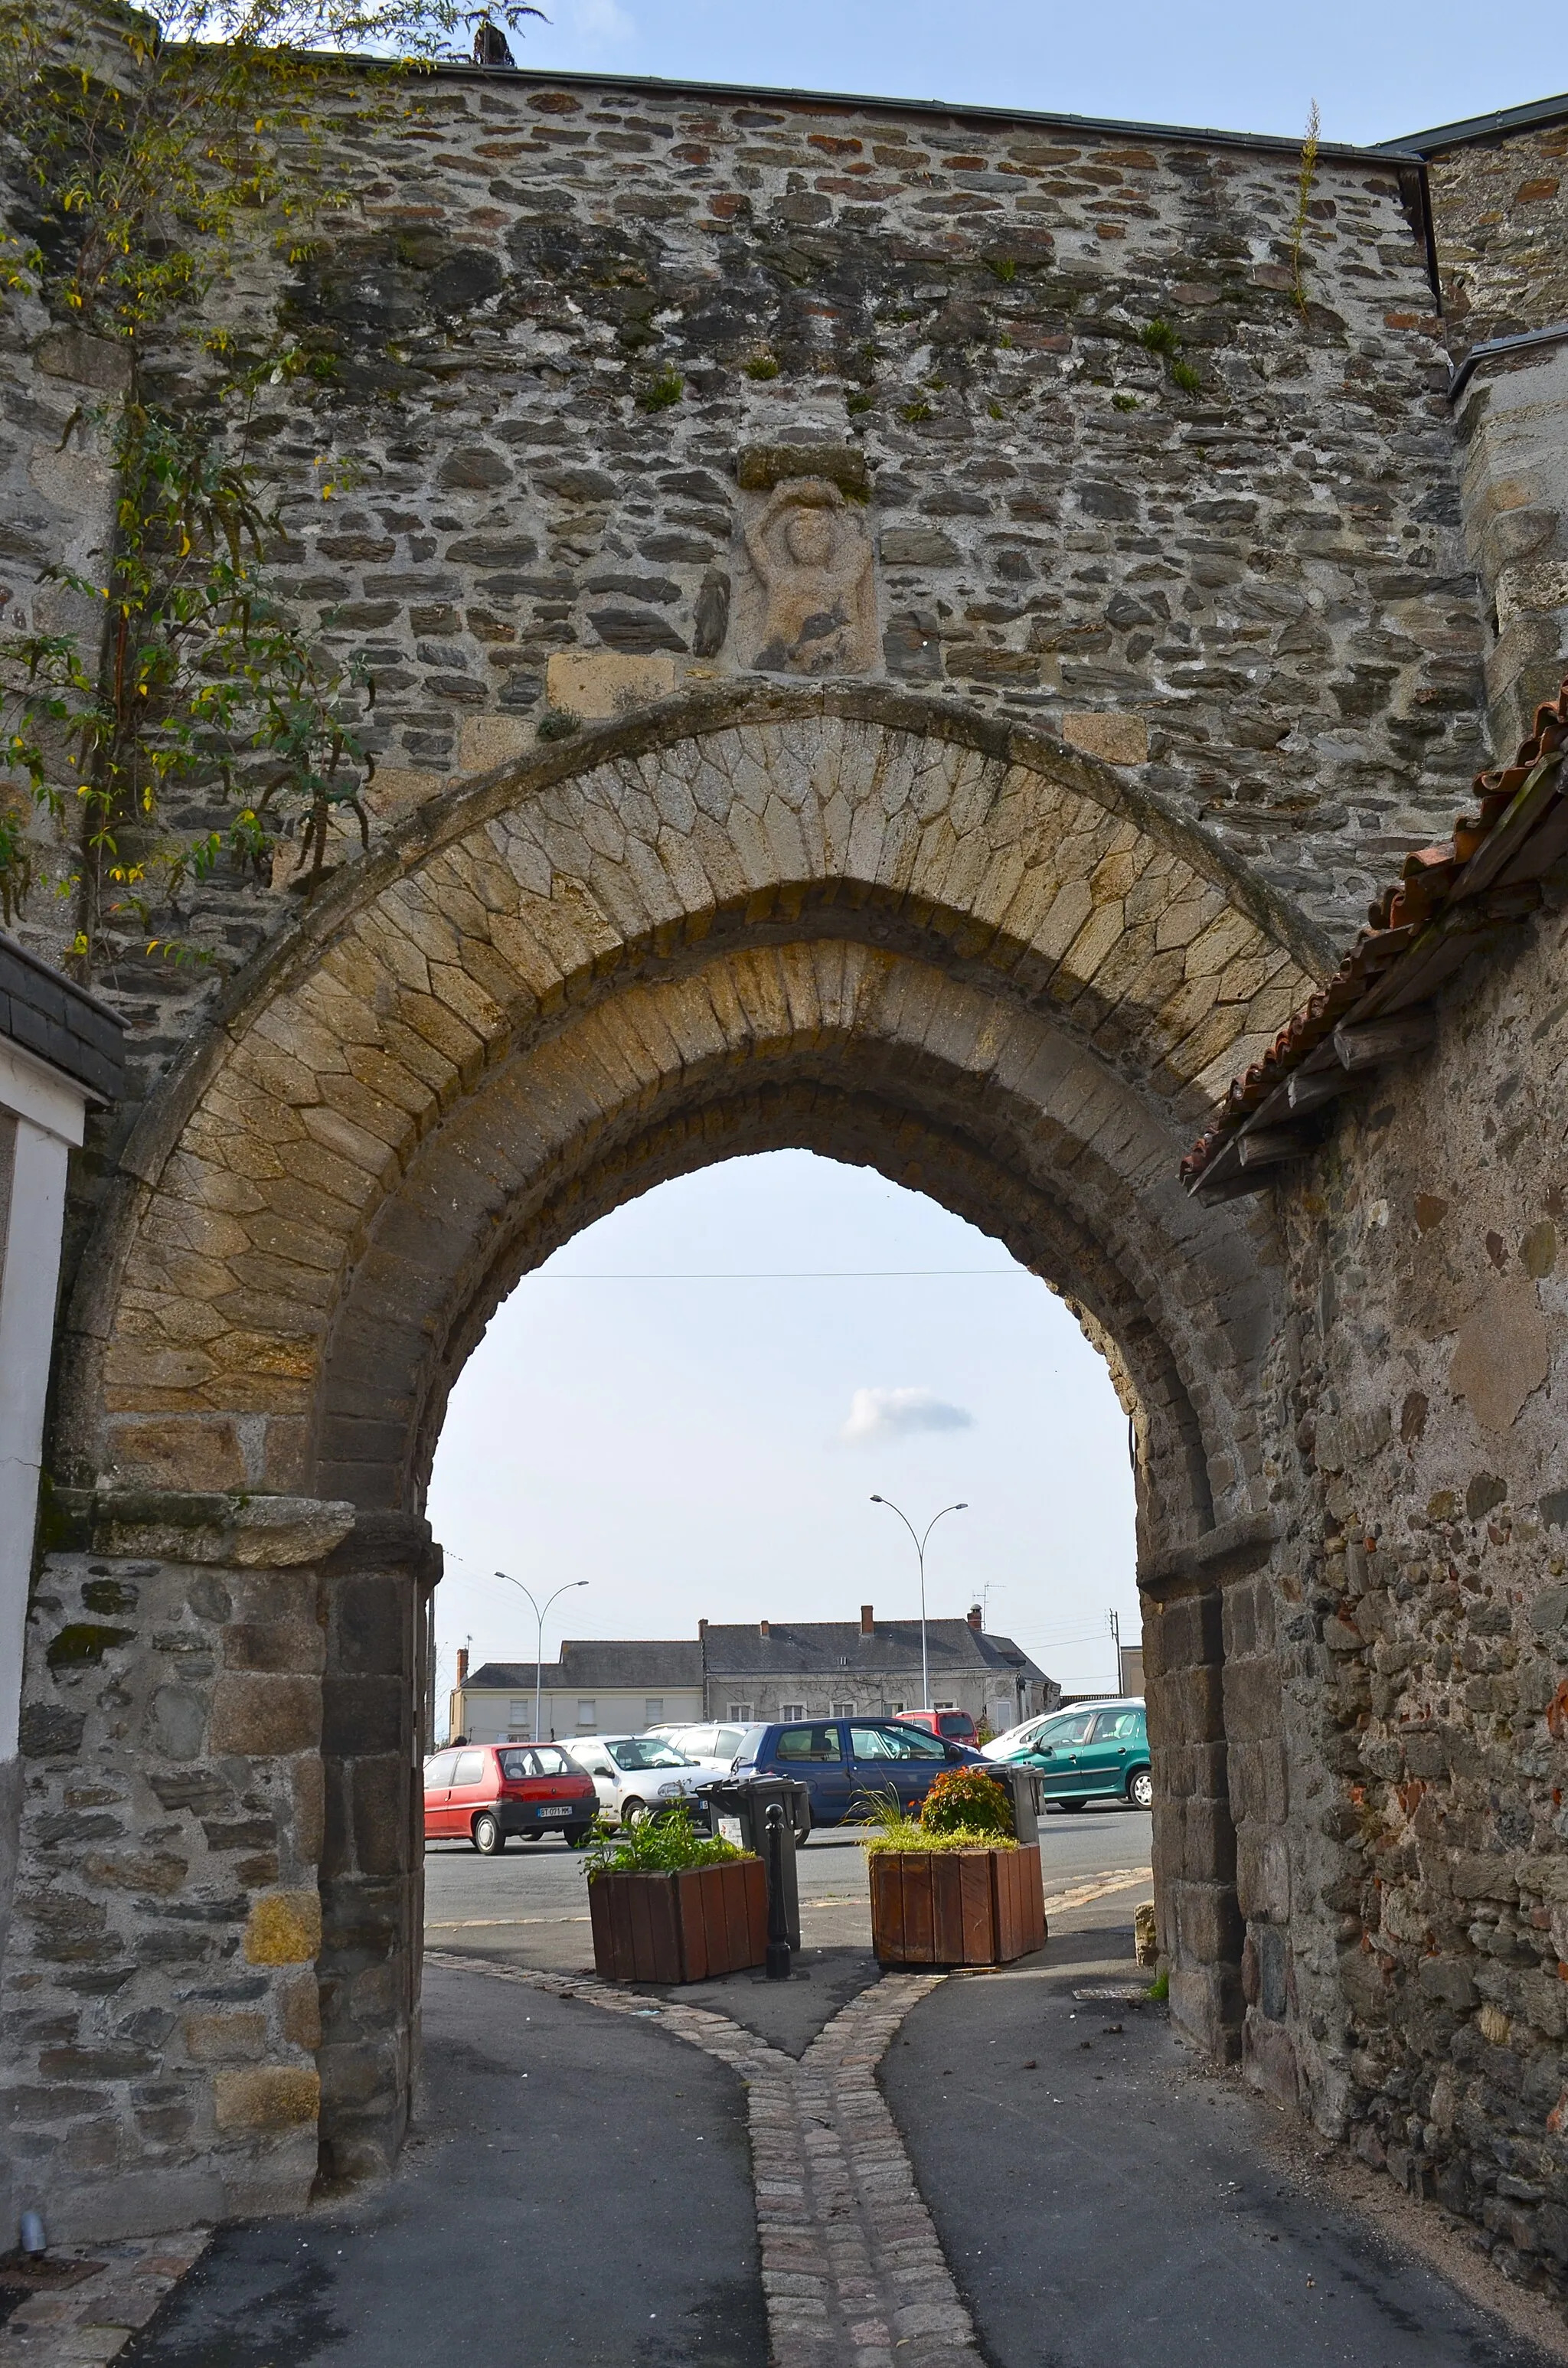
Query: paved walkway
[
  {"x": 902, "y": 2172},
  {"x": 1103, "y": 2200}
]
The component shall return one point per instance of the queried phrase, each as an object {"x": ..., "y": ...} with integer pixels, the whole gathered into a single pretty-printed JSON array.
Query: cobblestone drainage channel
[{"x": 851, "y": 2269}]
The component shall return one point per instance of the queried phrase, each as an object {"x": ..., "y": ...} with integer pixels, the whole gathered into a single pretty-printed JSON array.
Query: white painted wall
[
  {"x": 43, "y": 1113},
  {"x": 41, "y": 1118},
  {"x": 488, "y": 1717}
]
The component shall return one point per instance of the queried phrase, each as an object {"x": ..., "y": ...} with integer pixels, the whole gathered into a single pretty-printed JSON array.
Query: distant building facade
[
  {"x": 599, "y": 1686},
  {"x": 763, "y": 1670},
  {"x": 811, "y": 1668}
]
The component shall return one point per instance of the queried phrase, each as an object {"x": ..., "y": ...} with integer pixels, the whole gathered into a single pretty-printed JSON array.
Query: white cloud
[
  {"x": 601, "y": 24},
  {"x": 879, "y": 1414}
]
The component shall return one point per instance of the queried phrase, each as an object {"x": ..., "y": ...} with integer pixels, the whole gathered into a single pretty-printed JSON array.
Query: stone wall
[
  {"x": 579, "y": 329},
  {"x": 988, "y": 639},
  {"x": 211, "y": 1997},
  {"x": 1513, "y": 423},
  {"x": 1500, "y": 219},
  {"x": 1407, "y": 1970}
]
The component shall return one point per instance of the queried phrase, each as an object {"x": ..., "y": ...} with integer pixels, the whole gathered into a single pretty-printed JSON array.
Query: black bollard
[{"x": 777, "y": 1929}]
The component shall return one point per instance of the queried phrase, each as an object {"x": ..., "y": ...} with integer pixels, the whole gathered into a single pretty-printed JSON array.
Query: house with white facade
[
  {"x": 761, "y": 1669},
  {"x": 599, "y": 1686}
]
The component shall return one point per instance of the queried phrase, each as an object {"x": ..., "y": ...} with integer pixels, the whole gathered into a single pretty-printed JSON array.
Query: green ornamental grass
[{"x": 666, "y": 1844}]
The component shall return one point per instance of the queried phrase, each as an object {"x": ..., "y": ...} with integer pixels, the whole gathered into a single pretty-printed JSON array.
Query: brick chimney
[
  {"x": 762, "y": 1624},
  {"x": 975, "y": 1615},
  {"x": 868, "y": 1625},
  {"x": 462, "y": 1665}
]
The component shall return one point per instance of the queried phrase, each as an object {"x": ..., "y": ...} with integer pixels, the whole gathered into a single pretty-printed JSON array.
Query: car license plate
[
  {"x": 730, "y": 1827},
  {"x": 563, "y": 1811}
]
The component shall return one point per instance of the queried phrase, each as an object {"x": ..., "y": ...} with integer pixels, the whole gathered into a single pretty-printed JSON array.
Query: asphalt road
[
  {"x": 531, "y": 1905},
  {"x": 578, "y": 2196}
]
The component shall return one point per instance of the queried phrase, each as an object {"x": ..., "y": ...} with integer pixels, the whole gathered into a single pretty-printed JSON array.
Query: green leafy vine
[{"x": 147, "y": 154}]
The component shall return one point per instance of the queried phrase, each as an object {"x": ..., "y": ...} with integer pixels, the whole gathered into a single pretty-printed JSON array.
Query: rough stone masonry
[{"x": 907, "y": 631}]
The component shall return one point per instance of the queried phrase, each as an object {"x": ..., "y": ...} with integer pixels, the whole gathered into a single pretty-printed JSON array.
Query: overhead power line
[{"x": 799, "y": 1274}]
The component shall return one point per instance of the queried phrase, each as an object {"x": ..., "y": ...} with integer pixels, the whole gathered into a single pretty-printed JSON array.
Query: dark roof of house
[
  {"x": 826, "y": 1648},
  {"x": 1478, "y": 127},
  {"x": 600, "y": 1661},
  {"x": 1454, "y": 898},
  {"x": 49, "y": 1015}
]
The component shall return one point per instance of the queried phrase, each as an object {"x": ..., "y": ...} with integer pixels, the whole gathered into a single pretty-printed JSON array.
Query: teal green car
[{"x": 1099, "y": 1752}]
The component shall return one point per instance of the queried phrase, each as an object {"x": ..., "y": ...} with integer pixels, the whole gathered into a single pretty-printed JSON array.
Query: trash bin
[
  {"x": 1024, "y": 1787},
  {"x": 738, "y": 1807}
]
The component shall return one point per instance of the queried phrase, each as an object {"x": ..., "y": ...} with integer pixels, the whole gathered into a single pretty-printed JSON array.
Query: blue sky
[
  {"x": 710, "y": 1448},
  {"x": 1376, "y": 68}
]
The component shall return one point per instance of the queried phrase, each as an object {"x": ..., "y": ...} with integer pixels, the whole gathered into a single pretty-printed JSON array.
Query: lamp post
[
  {"x": 539, "y": 1641},
  {"x": 920, "y": 1539}
]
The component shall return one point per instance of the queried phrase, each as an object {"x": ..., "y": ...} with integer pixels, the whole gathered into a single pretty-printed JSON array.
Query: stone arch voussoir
[{"x": 975, "y": 876}]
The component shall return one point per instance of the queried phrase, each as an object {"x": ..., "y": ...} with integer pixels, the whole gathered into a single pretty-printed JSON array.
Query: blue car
[{"x": 842, "y": 1760}]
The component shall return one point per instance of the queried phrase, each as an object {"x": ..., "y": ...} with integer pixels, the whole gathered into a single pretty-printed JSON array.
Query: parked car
[
  {"x": 487, "y": 1791},
  {"x": 714, "y": 1748},
  {"x": 843, "y": 1762},
  {"x": 1013, "y": 1739},
  {"x": 952, "y": 1726},
  {"x": 1099, "y": 1751},
  {"x": 637, "y": 1775}
]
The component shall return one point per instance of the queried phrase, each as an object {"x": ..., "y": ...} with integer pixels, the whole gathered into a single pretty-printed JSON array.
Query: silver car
[
  {"x": 714, "y": 1748},
  {"x": 637, "y": 1775}
]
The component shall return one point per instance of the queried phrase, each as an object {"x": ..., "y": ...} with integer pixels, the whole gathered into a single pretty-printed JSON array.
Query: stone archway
[{"x": 844, "y": 920}]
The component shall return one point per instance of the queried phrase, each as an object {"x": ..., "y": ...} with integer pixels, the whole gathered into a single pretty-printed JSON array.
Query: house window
[
  {"x": 894, "y": 1709},
  {"x": 792, "y": 1710},
  {"x": 587, "y": 1718},
  {"x": 654, "y": 1710},
  {"x": 944, "y": 1705},
  {"x": 844, "y": 1710},
  {"x": 522, "y": 1714},
  {"x": 738, "y": 1710}
]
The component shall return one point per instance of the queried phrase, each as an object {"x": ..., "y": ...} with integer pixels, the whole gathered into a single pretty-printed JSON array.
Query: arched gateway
[{"x": 849, "y": 920}]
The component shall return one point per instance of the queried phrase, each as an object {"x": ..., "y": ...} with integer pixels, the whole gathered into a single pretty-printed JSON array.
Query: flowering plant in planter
[
  {"x": 671, "y": 1905},
  {"x": 954, "y": 1886},
  {"x": 666, "y": 1844},
  {"x": 965, "y": 1809},
  {"x": 971, "y": 1801}
]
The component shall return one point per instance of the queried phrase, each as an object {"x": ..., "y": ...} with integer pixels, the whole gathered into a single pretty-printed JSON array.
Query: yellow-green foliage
[{"x": 156, "y": 142}]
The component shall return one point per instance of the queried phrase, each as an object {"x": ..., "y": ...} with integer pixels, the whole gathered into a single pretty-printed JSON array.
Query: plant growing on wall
[
  {"x": 146, "y": 151},
  {"x": 1305, "y": 180}
]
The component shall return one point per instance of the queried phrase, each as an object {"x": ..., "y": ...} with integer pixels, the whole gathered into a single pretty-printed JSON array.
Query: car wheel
[
  {"x": 1075, "y": 1805},
  {"x": 633, "y": 1812},
  {"x": 1141, "y": 1788},
  {"x": 578, "y": 1839},
  {"x": 488, "y": 1839},
  {"x": 803, "y": 1830}
]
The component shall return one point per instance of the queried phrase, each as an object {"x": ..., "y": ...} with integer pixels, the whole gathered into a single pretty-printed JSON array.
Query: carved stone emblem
[{"x": 809, "y": 604}]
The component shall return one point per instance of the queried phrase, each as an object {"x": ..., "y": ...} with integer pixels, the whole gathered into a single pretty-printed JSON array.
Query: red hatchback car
[
  {"x": 952, "y": 1726},
  {"x": 486, "y": 1792}
]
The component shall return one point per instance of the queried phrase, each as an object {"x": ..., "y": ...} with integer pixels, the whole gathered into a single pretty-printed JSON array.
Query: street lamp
[
  {"x": 539, "y": 1641},
  {"x": 920, "y": 1551}
]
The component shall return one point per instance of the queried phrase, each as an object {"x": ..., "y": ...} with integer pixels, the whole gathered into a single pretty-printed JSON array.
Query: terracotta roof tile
[{"x": 1447, "y": 900}]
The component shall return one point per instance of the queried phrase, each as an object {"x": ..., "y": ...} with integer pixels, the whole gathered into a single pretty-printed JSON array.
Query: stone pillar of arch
[{"x": 849, "y": 921}]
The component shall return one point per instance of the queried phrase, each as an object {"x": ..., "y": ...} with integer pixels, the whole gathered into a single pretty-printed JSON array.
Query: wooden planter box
[
  {"x": 680, "y": 1928},
  {"x": 956, "y": 1908}
]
